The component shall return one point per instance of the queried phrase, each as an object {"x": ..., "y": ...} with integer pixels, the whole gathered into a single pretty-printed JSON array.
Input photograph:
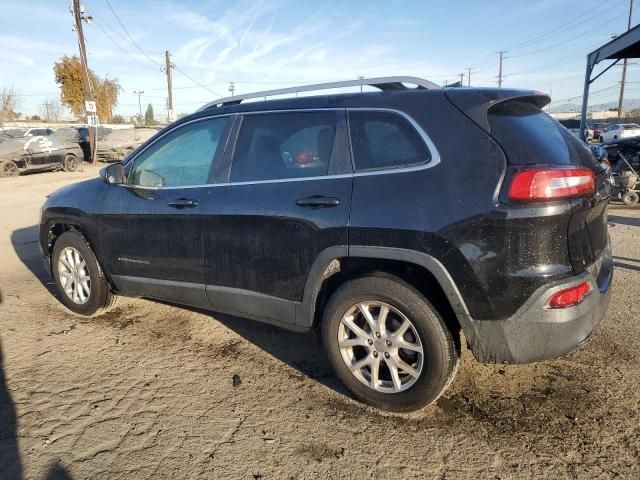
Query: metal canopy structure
[{"x": 626, "y": 45}]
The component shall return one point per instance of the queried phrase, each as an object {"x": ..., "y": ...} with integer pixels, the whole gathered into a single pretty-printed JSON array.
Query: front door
[
  {"x": 287, "y": 200},
  {"x": 152, "y": 231}
]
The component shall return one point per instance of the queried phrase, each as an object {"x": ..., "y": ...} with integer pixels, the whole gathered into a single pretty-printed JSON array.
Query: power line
[
  {"x": 130, "y": 37},
  {"x": 120, "y": 47},
  {"x": 195, "y": 81},
  {"x": 563, "y": 27},
  {"x": 567, "y": 40}
]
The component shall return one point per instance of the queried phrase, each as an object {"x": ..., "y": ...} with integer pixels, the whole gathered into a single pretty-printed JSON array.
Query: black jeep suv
[{"x": 390, "y": 220}]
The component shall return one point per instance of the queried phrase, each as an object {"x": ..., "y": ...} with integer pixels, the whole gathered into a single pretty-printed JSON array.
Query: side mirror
[{"x": 113, "y": 174}]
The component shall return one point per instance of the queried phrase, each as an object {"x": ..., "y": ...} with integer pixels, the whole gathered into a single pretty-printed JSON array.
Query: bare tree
[
  {"x": 9, "y": 101},
  {"x": 51, "y": 110}
]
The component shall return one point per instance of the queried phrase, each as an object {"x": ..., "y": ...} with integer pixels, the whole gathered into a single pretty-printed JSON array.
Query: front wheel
[
  {"x": 630, "y": 198},
  {"x": 79, "y": 279},
  {"x": 8, "y": 169},
  {"x": 389, "y": 346},
  {"x": 70, "y": 163}
]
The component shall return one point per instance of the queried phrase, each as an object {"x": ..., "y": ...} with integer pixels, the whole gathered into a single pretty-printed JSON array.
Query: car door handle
[
  {"x": 318, "y": 201},
  {"x": 181, "y": 203}
]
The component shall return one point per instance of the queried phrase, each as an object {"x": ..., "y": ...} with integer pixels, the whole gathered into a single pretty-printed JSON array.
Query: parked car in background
[
  {"x": 619, "y": 130},
  {"x": 39, "y": 132},
  {"x": 598, "y": 128},
  {"x": 13, "y": 133},
  {"x": 120, "y": 143},
  {"x": 573, "y": 126},
  {"x": 53, "y": 152},
  {"x": 83, "y": 132},
  {"x": 362, "y": 215}
]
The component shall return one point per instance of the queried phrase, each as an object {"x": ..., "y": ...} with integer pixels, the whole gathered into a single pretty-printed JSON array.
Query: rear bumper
[{"x": 536, "y": 332}]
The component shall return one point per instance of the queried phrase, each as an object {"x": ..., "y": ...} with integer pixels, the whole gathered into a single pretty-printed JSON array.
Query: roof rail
[{"x": 382, "y": 83}]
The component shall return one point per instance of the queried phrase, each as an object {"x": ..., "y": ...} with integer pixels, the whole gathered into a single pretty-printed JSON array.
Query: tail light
[
  {"x": 551, "y": 184},
  {"x": 570, "y": 297}
]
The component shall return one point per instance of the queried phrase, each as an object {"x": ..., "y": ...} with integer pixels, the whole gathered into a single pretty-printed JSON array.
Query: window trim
[
  {"x": 341, "y": 123},
  {"x": 432, "y": 152},
  {"x": 131, "y": 161},
  {"x": 435, "y": 155}
]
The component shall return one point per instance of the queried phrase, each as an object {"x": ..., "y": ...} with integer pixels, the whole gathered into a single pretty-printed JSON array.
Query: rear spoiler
[{"x": 475, "y": 103}]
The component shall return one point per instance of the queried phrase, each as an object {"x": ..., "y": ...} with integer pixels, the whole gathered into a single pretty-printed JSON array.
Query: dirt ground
[{"x": 155, "y": 391}]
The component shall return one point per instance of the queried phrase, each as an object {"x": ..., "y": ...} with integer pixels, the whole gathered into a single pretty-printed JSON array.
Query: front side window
[
  {"x": 183, "y": 157},
  {"x": 284, "y": 145},
  {"x": 384, "y": 140}
]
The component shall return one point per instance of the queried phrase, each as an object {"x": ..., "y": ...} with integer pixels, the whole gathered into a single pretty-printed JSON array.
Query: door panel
[
  {"x": 152, "y": 227},
  {"x": 288, "y": 199},
  {"x": 151, "y": 248},
  {"x": 257, "y": 238}
]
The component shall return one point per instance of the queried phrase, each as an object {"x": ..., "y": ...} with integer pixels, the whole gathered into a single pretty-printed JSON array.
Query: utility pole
[
  {"x": 501, "y": 52},
  {"x": 624, "y": 67},
  {"x": 139, "y": 92},
  {"x": 468, "y": 76},
  {"x": 78, "y": 17},
  {"x": 168, "y": 67},
  {"x": 232, "y": 88},
  {"x": 462, "y": 79}
]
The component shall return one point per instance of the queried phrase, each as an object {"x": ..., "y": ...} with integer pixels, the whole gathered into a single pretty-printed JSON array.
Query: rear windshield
[{"x": 531, "y": 137}]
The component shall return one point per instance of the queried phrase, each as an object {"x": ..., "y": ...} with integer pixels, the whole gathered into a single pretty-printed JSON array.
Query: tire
[
  {"x": 440, "y": 355},
  {"x": 70, "y": 163},
  {"x": 99, "y": 297},
  {"x": 630, "y": 198},
  {"x": 9, "y": 169}
]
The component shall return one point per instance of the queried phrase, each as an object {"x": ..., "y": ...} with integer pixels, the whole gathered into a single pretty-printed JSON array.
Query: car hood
[
  {"x": 73, "y": 195},
  {"x": 11, "y": 146}
]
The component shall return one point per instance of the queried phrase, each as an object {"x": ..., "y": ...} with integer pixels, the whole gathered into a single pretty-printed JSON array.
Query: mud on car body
[{"x": 390, "y": 220}]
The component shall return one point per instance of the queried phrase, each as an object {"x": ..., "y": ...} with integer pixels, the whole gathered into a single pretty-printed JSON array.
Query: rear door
[
  {"x": 287, "y": 201},
  {"x": 151, "y": 232}
]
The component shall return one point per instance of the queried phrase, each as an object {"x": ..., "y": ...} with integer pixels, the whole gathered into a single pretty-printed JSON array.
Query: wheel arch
[
  {"x": 338, "y": 264},
  {"x": 56, "y": 227}
]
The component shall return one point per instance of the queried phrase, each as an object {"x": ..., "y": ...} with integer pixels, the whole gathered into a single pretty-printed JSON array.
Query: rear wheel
[
  {"x": 79, "y": 279},
  {"x": 70, "y": 163},
  {"x": 8, "y": 169},
  {"x": 630, "y": 198},
  {"x": 388, "y": 344}
]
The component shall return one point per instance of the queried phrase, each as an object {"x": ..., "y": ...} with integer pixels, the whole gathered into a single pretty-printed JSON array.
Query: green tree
[
  {"x": 68, "y": 74},
  {"x": 148, "y": 116},
  {"x": 117, "y": 119}
]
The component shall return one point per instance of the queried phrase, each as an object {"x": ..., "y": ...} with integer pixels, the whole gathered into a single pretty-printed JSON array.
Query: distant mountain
[{"x": 628, "y": 104}]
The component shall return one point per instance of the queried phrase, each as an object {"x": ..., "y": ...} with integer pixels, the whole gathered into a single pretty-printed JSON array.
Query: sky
[{"x": 277, "y": 43}]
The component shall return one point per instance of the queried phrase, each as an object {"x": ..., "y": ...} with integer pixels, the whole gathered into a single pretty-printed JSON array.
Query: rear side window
[
  {"x": 274, "y": 146},
  {"x": 384, "y": 140},
  {"x": 531, "y": 137}
]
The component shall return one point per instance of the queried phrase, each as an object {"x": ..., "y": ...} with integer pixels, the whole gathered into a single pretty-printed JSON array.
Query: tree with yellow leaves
[{"x": 68, "y": 73}]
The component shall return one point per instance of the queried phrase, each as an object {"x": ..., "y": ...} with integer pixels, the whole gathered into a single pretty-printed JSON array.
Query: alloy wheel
[
  {"x": 9, "y": 169},
  {"x": 74, "y": 275},
  {"x": 380, "y": 346}
]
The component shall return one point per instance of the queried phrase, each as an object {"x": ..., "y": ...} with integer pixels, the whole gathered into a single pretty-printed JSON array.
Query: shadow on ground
[
  {"x": 25, "y": 242},
  {"x": 630, "y": 221},
  {"x": 10, "y": 466},
  {"x": 301, "y": 351}
]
